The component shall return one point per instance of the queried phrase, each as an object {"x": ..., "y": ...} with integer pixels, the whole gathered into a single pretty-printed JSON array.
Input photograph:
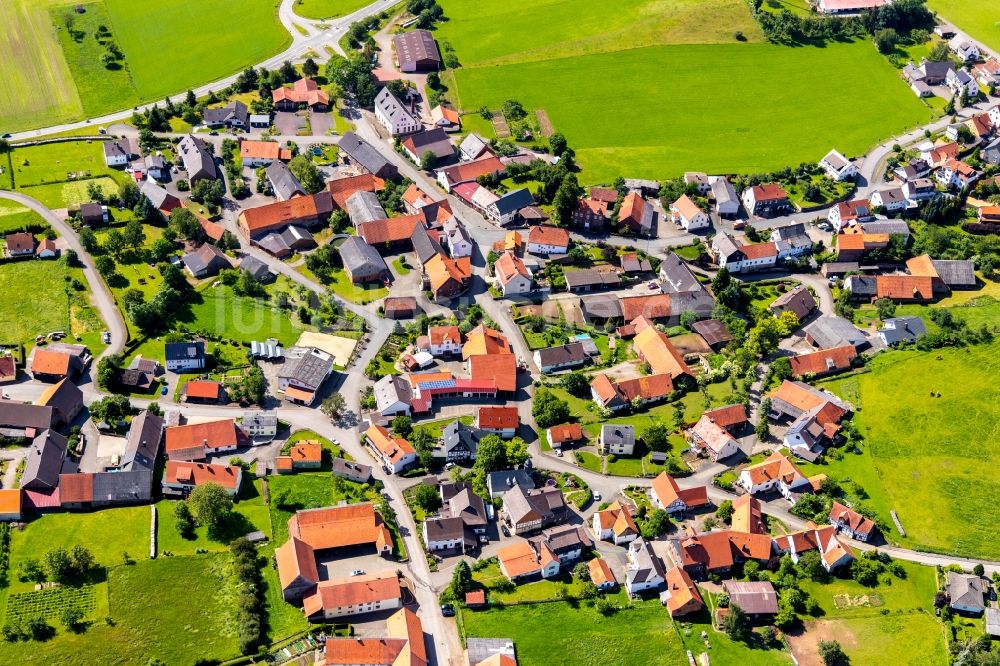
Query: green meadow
[{"x": 981, "y": 20}]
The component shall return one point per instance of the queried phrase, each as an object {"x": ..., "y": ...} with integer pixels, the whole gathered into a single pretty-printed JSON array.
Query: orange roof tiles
[
  {"x": 727, "y": 416},
  {"x": 567, "y": 432},
  {"x": 339, "y": 526},
  {"x": 440, "y": 269},
  {"x": 854, "y": 520},
  {"x": 482, "y": 340},
  {"x": 683, "y": 596},
  {"x": 393, "y": 448},
  {"x": 279, "y": 214},
  {"x": 500, "y": 368},
  {"x": 48, "y": 362},
  {"x": 922, "y": 266},
  {"x": 303, "y": 91},
  {"x": 203, "y": 389},
  {"x": 667, "y": 492},
  {"x": 653, "y": 306},
  {"x": 798, "y": 396},
  {"x": 603, "y": 387},
  {"x": 600, "y": 572},
  {"x": 213, "y": 435},
  {"x": 656, "y": 349},
  {"x": 76, "y": 488},
  {"x": 391, "y": 230},
  {"x": 769, "y": 192},
  {"x": 686, "y": 208},
  {"x": 307, "y": 451},
  {"x": 341, "y": 189},
  {"x": 904, "y": 287},
  {"x": 775, "y": 466},
  {"x": 759, "y": 250},
  {"x": 469, "y": 171},
  {"x": 518, "y": 559},
  {"x": 498, "y": 418},
  {"x": 548, "y": 235},
  {"x": 747, "y": 515},
  {"x": 191, "y": 473},
  {"x": 823, "y": 361},
  {"x": 508, "y": 266},
  {"x": 10, "y": 501},
  {"x": 264, "y": 150},
  {"x": 441, "y": 334},
  {"x": 355, "y": 590},
  {"x": 295, "y": 558}
]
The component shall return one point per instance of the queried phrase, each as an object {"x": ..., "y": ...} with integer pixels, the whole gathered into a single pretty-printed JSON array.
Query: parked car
[
  {"x": 447, "y": 610},
  {"x": 506, "y": 532},
  {"x": 358, "y": 572},
  {"x": 597, "y": 496},
  {"x": 163, "y": 391}
]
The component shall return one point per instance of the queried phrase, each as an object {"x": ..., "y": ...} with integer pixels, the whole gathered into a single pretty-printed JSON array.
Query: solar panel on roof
[{"x": 441, "y": 383}]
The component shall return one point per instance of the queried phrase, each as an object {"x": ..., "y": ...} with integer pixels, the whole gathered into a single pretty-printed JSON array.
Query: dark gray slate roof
[
  {"x": 231, "y": 113},
  {"x": 500, "y": 482},
  {"x": 829, "y": 332},
  {"x": 142, "y": 445},
  {"x": 591, "y": 277},
  {"x": 891, "y": 227},
  {"x": 126, "y": 487},
  {"x": 257, "y": 268},
  {"x": 43, "y": 461},
  {"x": 514, "y": 201},
  {"x": 158, "y": 196},
  {"x": 457, "y": 433},
  {"x": 282, "y": 180},
  {"x": 570, "y": 353},
  {"x": 965, "y": 590},
  {"x": 615, "y": 434},
  {"x": 364, "y": 154},
  {"x": 699, "y": 302},
  {"x": 903, "y": 329},
  {"x": 360, "y": 257},
  {"x": 788, "y": 231},
  {"x": 274, "y": 244},
  {"x": 956, "y": 272},
  {"x": 601, "y": 306},
  {"x": 309, "y": 369},
  {"x": 424, "y": 246},
  {"x": 197, "y": 161},
  {"x": 23, "y": 415},
  {"x": 206, "y": 260},
  {"x": 435, "y": 140},
  {"x": 179, "y": 351}
]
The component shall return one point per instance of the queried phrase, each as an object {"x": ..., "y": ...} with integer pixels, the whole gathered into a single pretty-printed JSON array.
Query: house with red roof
[
  {"x": 304, "y": 92},
  {"x": 559, "y": 436},
  {"x": 393, "y": 452},
  {"x": 503, "y": 421},
  {"x": 667, "y": 495},
  {"x": 546, "y": 240},
  {"x": 619, "y": 394},
  {"x": 767, "y": 200},
  {"x": 852, "y": 523},
  {"x": 197, "y": 441},
  {"x": 181, "y": 477}
]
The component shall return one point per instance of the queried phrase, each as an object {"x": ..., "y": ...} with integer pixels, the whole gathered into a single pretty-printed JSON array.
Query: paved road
[{"x": 102, "y": 298}]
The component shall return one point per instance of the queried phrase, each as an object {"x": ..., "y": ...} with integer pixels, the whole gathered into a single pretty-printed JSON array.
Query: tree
[
  {"x": 557, "y": 143},
  {"x": 576, "y": 383},
  {"x": 134, "y": 235},
  {"x": 310, "y": 68},
  {"x": 657, "y": 436},
  {"x": 979, "y": 570},
  {"x": 72, "y": 617},
  {"x": 59, "y": 565},
  {"x": 184, "y": 223},
  {"x": 513, "y": 110},
  {"x": 517, "y": 451},
  {"x": 763, "y": 427},
  {"x": 129, "y": 194},
  {"x": 111, "y": 409},
  {"x": 210, "y": 504},
  {"x": 209, "y": 192},
  {"x": 886, "y": 308},
  {"x": 114, "y": 243},
  {"x": 886, "y": 40},
  {"x": 160, "y": 250},
  {"x": 88, "y": 239},
  {"x": 811, "y": 564},
  {"x": 307, "y": 174},
  {"x": 428, "y": 160},
  {"x": 657, "y": 523},
  {"x": 107, "y": 370},
  {"x": 566, "y": 199},
  {"x": 736, "y": 624},
  {"x": 491, "y": 454},
  {"x": 548, "y": 409},
  {"x": 334, "y": 405},
  {"x": 402, "y": 426},
  {"x": 427, "y": 498},
  {"x": 832, "y": 654},
  {"x": 461, "y": 580},
  {"x": 581, "y": 571},
  {"x": 725, "y": 511},
  {"x": 183, "y": 520}
]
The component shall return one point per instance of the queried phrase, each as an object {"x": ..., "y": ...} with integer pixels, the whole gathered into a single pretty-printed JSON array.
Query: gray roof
[
  {"x": 956, "y": 272},
  {"x": 500, "y": 482},
  {"x": 644, "y": 564},
  {"x": 180, "y": 351},
  {"x": 391, "y": 107},
  {"x": 936, "y": 69},
  {"x": 142, "y": 444},
  {"x": 234, "y": 112},
  {"x": 699, "y": 302},
  {"x": 293, "y": 235},
  {"x": 565, "y": 539},
  {"x": 341, "y": 467},
  {"x": 458, "y": 434},
  {"x": 726, "y": 244},
  {"x": 900, "y": 329},
  {"x": 155, "y": 162},
  {"x": 513, "y": 201},
  {"x": 892, "y": 195},
  {"x": 592, "y": 277},
  {"x": 44, "y": 460},
  {"x": 364, "y": 206},
  {"x": 117, "y": 148},
  {"x": 207, "y": 259},
  {"x": 840, "y": 267},
  {"x": 255, "y": 267},
  {"x": 21, "y": 415},
  {"x": 365, "y": 155},
  {"x": 472, "y": 146},
  {"x": 123, "y": 487},
  {"x": 157, "y": 196},
  {"x": 861, "y": 285},
  {"x": 798, "y": 300},
  {"x": 435, "y": 140},
  {"x": 282, "y": 180},
  {"x": 891, "y": 227},
  {"x": 617, "y": 434},
  {"x": 603, "y": 306},
  {"x": 481, "y": 649},
  {"x": 415, "y": 46},
  {"x": 444, "y": 529},
  {"x": 993, "y": 621},
  {"x": 754, "y": 597},
  {"x": 468, "y": 506},
  {"x": 829, "y": 332},
  {"x": 309, "y": 369},
  {"x": 678, "y": 275},
  {"x": 724, "y": 192},
  {"x": 965, "y": 590},
  {"x": 789, "y": 231},
  {"x": 713, "y": 330},
  {"x": 197, "y": 161},
  {"x": 274, "y": 244},
  {"x": 568, "y": 353},
  {"x": 361, "y": 258},
  {"x": 424, "y": 246},
  {"x": 518, "y": 502},
  {"x": 391, "y": 389},
  {"x": 261, "y": 417}
]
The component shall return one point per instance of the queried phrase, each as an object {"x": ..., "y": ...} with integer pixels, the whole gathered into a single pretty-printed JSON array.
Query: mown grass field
[
  {"x": 169, "y": 46},
  {"x": 222, "y": 312},
  {"x": 580, "y": 635},
  {"x": 15, "y": 217},
  {"x": 642, "y": 112},
  {"x": 322, "y": 9},
  {"x": 981, "y": 20},
  {"x": 923, "y": 453},
  {"x": 58, "y": 174}
]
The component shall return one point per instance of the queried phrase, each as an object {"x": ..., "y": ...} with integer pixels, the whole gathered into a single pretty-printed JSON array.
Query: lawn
[
  {"x": 583, "y": 636},
  {"x": 981, "y": 20},
  {"x": 722, "y": 650},
  {"x": 902, "y": 640},
  {"x": 233, "y": 317},
  {"x": 923, "y": 452},
  {"x": 39, "y": 55},
  {"x": 101, "y": 90},
  {"x": 54, "y": 305},
  {"x": 322, "y": 9},
  {"x": 57, "y": 174},
  {"x": 657, "y": 131},
  {"x": 15, "y": 217},
  {"x": 308, "y": 490},
  {"x": 28, "y": 34},
  {"x": 251, "y": 514}
]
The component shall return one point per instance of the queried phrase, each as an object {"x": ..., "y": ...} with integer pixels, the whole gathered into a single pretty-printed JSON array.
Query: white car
[
  {"x": 597, "y": 496},
  {"x": 358, "y": 572}
]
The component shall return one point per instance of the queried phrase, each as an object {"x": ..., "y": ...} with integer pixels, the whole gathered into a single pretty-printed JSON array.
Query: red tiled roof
[
  {"x": 904, "y": 287},
  {"x": 442, "y": 334},
  {"x": 308, "y": 451},
  {"x": 342, "y": 188},
  {"x": 727, "y": 416},
  {"x": 653, "y": 306},
  {"x": 48, "y": 362},
  {"x": 567, "y": 432},
  {"x": 769, "y": 192},
  {"x": 498, "y": 418},
  {"x": 192, "y": 473},
  {"x": 392, "y": 230},
  {"x": 202, "y": 389},
  {"x": 823, "y": 361},
  {"x": 548, "y": 235},
  {"x": 214, "y": 434},
  {"x": 759, "y": 250},
  {"x": 265, "y": 150},
  {"x": 469, "y": 171},
  {"x": 76, "y": 488},
  {"x": 501, "y": 368}
]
